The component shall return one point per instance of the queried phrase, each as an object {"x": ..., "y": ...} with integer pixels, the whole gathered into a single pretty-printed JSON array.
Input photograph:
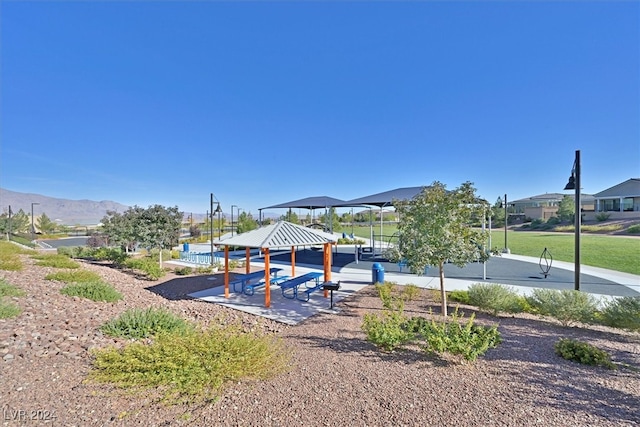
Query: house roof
[
  {"x": 310, "y": 203},
  {"x": 549, "y": 197},
  {"x": 628, "y": 188},
  {"x": 385, "y": 198},
  {"x": 282, "y": 234}
]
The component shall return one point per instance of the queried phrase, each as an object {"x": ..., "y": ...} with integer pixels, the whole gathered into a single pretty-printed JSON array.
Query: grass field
[{"x": 611, "y": 252}]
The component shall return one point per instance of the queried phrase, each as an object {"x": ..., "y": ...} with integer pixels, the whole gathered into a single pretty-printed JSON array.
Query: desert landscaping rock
[{"x": 336, "y": 377}]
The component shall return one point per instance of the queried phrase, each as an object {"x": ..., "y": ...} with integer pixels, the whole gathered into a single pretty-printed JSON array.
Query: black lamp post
[
  {"x": 211, "y": 212},
  {"x": 33, "y": 230},
  {"x": 219, "y": 211},
  {"x": 506, "y": 221},
  {"x": 574, "y": 184}
]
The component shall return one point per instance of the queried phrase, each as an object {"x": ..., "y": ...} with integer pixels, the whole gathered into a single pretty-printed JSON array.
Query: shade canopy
[
  {"x": 315, "y": 202},
  {"x": 281, "y": 234},
  {"x": 385, "y": 198}
]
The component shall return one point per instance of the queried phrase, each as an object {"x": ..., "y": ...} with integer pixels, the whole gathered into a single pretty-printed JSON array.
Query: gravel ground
[{"x": 336, "y": 378}]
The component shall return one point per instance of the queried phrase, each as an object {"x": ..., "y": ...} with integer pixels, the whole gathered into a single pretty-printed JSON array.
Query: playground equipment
[{"x": 546, "y": 260}]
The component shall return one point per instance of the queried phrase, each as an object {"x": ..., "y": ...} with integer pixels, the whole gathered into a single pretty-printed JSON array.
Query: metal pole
[
  {"x": 211, "y": 227},
  {"x": 578, "y": 220},
  {"x": 506, "y": 218},
  {"x": 232, "y": 206},
  {"x": 219, "y": 221}
]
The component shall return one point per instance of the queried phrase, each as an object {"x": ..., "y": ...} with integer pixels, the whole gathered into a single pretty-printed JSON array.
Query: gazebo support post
[
  {"x": 226, "y": 271},
  {"x": 247, "y": 264},
  {"x": 267, "y": 279},
  {"x": 327, "y": 266},
  {"x": 293, "y": 261}
]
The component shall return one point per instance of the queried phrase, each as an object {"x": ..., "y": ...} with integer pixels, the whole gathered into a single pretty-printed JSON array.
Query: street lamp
[
  {"x": 506, "y": 219},
  {"x": 232, "y": 206},
  {"x": 574, "y": 184},
  {"x": 218, "y": 210}
]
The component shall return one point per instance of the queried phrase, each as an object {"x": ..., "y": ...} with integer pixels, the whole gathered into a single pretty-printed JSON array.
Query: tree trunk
[{"x": 443, "y": 294}]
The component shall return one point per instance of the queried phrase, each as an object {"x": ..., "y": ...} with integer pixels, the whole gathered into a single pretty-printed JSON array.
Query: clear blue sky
[{"x": 266, "y": 102}]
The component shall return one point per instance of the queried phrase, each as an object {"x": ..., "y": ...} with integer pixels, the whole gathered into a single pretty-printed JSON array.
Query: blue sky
[{"x": 266, "y": 102}]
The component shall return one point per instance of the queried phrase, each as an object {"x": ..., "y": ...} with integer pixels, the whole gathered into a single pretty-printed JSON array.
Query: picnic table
[
  {"x": 244, "y": 279},
  {"x": 290, "y": 287}
]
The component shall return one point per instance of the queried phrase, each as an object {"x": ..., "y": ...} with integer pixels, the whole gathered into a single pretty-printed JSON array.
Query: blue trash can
[
  {"x": 377, "y": 273},
  {"x": 185, "y": 247}
]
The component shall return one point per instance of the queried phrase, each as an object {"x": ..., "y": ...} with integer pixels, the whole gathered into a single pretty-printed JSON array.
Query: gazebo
[{"x": 280, "y": 235}]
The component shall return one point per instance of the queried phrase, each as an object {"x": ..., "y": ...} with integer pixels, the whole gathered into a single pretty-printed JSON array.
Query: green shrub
[
  {"x": 410, "y": 292},
  {"x": 602, "y": 216},
  {"x": 95, "y": 291},
  {"x": 452, "y": 336},
  {"x": 142, "y": 323},
  {"x": 634, "y": 229},
  {"x": 460, "y": 296},
  {"x": 8, "y": 290},
  {"x": 494, "y": 298},
  {"x": 622, "y": 313},
  {"x": 567, "y": 306},
  {"x": 387, "y": 293},
  {"x": 146, "y": 265},
  {"x": 387, "y": 331},
  {"x": 75, "y": 276},
  {"x": 192, "y": 365},
  {"x": 55, "y": 260},
  {"x": 9, "y": 256},
  {"x": 183, "y": 271},
  {"x": 8, "y": 309},
  {"x": 583, "y": 352},
  {"x": 554, "y": 220},
  {"x": 204, "y": 270}
]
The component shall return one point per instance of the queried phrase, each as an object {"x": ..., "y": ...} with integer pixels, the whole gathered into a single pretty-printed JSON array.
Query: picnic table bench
[
  {"x": 250, "y": 288},
  {"x": 290, "y": 287},
  {"x": 244, "y": 279}
]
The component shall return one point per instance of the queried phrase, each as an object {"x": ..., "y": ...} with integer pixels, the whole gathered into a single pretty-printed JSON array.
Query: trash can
[
  {"x": 185, "y": 247},
  {"x": 377, "y": 273}
]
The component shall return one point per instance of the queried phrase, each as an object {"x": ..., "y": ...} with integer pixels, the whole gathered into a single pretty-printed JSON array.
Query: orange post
[
  {"x": 293, "y": 261},
  {"x": 267, "y": 279},
  {"x": 226, "y": 271},
  {"x": 247, "y": 254},
  {"x": 327, "y": 269}
]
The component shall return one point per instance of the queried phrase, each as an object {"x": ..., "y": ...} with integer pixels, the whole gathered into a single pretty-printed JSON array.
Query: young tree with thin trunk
[{"x": 436, "y": 227}]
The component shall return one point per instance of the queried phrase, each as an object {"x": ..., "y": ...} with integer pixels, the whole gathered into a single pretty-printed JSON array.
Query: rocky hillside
[{"x": 63, "y": 211}]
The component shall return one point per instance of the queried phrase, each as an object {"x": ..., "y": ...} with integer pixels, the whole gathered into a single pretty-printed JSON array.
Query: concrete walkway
[{"x": 521, "y": 273}]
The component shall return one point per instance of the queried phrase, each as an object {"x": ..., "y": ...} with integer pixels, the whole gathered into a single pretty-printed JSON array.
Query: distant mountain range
[
  {"x": 76, "y": 212},
  {"x": 62, "y": 211}
]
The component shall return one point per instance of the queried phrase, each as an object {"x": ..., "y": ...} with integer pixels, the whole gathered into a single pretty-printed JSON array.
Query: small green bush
[
  {"x": 55, "y": 260},
  {"x": 494, "y": 298},
  {"x": 142, "y": 323},
  {"x": 387, "y": 331},
  {"x": 183, "y": 271},
  {"x": 387, "y": 292},
  {"x": 9, "y": 290},
  {"x": 193, "y": 365},
  {"x": 583, "y": 352},
  {"x": 95, "y": 291},
  {"x": 623, "y": 313},
  {"x": 634, "y": 229},
  {"x": 410, "y": 292},
  {"x": 452, "y": 336},
  {"x": 602, "y": 216},
  {"x": 9, "y": 256},
  {"x": 8, "y": 309},
  {"x": 75, "y": 276},
  {"x": 148, "y": 266},
  {"x": 460, "y": 296},
  {"x": 567, "y": 306}
]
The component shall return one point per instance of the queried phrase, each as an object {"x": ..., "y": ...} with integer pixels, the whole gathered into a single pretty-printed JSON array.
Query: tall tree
[
  {"x": 246, "y": 223},
  {"x": 46, "y": 225},
  {"x": 566, "y": 208},
  {"x": 158, "y": 227},
  {"x": 435, "y": 228}
]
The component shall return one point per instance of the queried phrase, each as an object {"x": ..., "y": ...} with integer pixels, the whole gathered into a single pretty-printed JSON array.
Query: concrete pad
[{"x": 282, "y": 309}]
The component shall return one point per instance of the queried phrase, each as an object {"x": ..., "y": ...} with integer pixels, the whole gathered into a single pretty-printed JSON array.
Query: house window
[
  {"x": 627, "y": 204},
  {"x": 609, "y": 205}
]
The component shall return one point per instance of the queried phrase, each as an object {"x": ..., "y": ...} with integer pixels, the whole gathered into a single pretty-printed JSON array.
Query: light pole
[
  {"x": 218, "y": 210},
  {"x": 506, "y": 221},
  {"x": 232, "y": 206},
  {"x": 33, "y": 230},
  {"x": 574, "y": 184}
]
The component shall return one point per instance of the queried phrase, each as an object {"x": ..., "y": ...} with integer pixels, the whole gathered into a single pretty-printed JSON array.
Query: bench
[
  {"x": 244, "y": 279},
  {"x": 295, "y": 282},
  {"x": 250, "y": 289}
]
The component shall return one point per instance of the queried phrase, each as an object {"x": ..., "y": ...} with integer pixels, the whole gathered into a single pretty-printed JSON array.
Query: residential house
[
  {"x": 622, "y": 201},
  {"x": 545, "y": 206}
]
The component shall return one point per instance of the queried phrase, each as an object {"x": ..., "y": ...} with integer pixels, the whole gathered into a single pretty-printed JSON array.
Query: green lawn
[{"x": 614, "y": 253}]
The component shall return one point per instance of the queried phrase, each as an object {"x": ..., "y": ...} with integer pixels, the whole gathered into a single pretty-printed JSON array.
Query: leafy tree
[
  {"x": 290, "y": 216},
  {"x": 158, "y": 227},
  {"x": 46, "y": 225},
  {"x": 18, "y": 223},
  {"x": 119, "y": 228},
  {"x": 435, "y": 227},
  {"x": 497, "y": 213},
  {"x": 194, "y": 230},
  {"x": 331, "y": 217},
  {"x": 566, "y": 208},
  {"x": 246, "y": 223}
]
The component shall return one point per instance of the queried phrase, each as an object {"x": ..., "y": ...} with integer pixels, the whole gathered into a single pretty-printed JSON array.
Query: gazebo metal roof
[
  {"x": 310, "y": 203},
  {"x": 385, "y": 198},
  {"x": 281, "y": 234}
]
